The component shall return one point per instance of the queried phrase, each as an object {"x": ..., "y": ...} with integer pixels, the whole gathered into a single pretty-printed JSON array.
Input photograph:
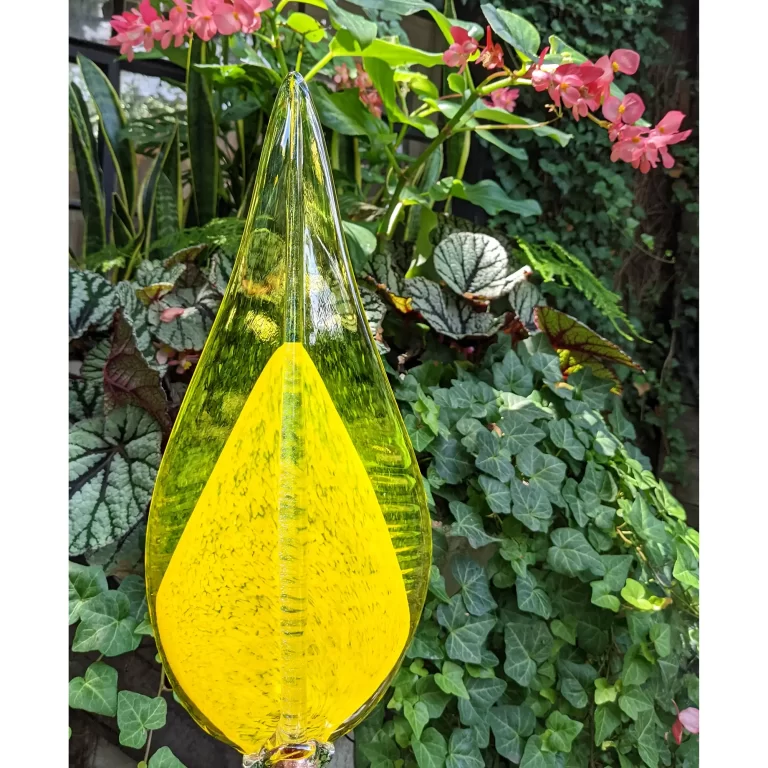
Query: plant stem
[
  {"x": 277, "y": 44},
  {"x": 299, "y": 55},
  {"x": 281, "y": 5},
  {"x": 159, "y": 693},
  {"x": 320, "y": 64}
]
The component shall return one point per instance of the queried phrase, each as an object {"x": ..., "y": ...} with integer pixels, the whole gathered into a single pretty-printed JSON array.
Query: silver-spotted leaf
[
  {"x": 473, "y": 264},
  {"x": 92, "y": 302}
]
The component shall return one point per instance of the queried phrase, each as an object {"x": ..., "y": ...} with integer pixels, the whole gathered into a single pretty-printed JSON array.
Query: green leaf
[
  {"x": 133, "y": 588},
  {"x": 463, "y": 751},
  {"x": 202, "y": 136},
  {"x": 497, "y": 494},
  {"x": 561, "y": 433},
  {"x": 572, "y": 555},
  {"x": 113, "y": 123},
  {"x": 647, "y": 739},
  {"x": 638, "y": 596},
  {"x": 646, "y": 524},
  {"x": 452, "y": 462},
  {"x": 661, "y": 636},
  {"x": 85, "y": 582},
  {"x": 498, "y": 115},
  {"x": 510, "y": 375},
  {"x": 417, "y": 715},
  {"x": 473, "y": 264},
  {"x": 97, "y": 692},
  {"x": 469, "y": 524},
  {"x": 106, "y": 626},
  {"x": 544, "y": 471},
  {"x": 447, "y": 313},
  {"x": 535, "y": 757},
  {"x": 607, "y": 720},
  {"x": 394, "y": 54},
  {"x": 539, "y": 354},
  {"x": 188, "y": 330},
  {"x": 634, "y": 700},
  {"x": 305, "y": 25},
  {"x": 636, "y": 669},
  {"x": 430, "y": 750},
  {"x": 137, "y": 714},
  {"x": 473, "y": 583},
  {"x": 560, "y": 733},
  {"x": 519, "y": 432},
  {"x": 451, "y": 680},
  {"x": 527, "y": 642},
  {"x": 381, "y": 750},
  {"x": 531, "y": 506},
  {"x": 112, "y": 466},
  {"x": 602, "y": 597},
  {"x": 493, "y": 456},
  {"x": 487, "y": 194},
  {"x": 511, "y": 725},
  {"x": 92, "y": 303},
  {"x": 605, "y": 693},
  {"x": 531, "y": 597},
  {"x": 565, "y": 630},
  {"x": 518, "y": 32},
  {"x": 483, "y": 694},
  {"x": 437, "y": 584},
  {"x": 164, "y": 758},
  {"x": 361, "y": 30},
  {"x": 465, "y": 643}
]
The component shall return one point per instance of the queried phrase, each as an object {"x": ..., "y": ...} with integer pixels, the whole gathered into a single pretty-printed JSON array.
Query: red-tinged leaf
[
  {"x": 585, "y": 347},
  {"x": 128, "y": 379},
  {"x": 570, "y": 362},
  {"x": 677, "y": 731},
  {"x": 689, "y": 718}
]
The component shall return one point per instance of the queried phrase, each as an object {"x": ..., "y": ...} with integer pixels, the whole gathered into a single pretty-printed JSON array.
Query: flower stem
[
  {"x": 277, "y": 44},
  {"x": 320, "y": 64}
]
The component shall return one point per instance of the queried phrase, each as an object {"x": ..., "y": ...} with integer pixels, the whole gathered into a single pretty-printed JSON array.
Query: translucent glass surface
[{"x": 288, "y": 545}]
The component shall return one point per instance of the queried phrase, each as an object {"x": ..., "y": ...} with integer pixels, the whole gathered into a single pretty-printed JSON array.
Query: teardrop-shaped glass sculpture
[{"x": 288, "y": 546}]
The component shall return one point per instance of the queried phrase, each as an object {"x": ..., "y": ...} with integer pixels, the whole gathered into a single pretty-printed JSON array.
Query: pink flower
[
  {"x": 137, "y": 26},
  {"x": 505, "y": 98},
  {"x": 688, "y": 719},
  {"x": 342, "y": 77},
  {"x": 491, "y": 56},
  {"x": 203, "y": 24},
  {"x": 643, "y": 148},
  {"x": 621, "y": 60},
  {"x": 569, "y": 82},
  {"x": 462, "y": 48},
  {"x": 629, "y": 110},
  {"x": 239, "y": 15},
  {"x": 625, "y": 60},
  {"x": 372, "y": 100},
  {"x": 177, "y": 25}
]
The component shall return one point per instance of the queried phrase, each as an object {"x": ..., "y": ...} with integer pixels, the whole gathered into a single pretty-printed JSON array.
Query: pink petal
[
  {"x": 689, "y": 718},
  {"x": 460, "y": 35},
  {"x": 633, "y": 108},
  {"x": 677, "y": 728},
  {"x": 171, "y": 313},
  {"x": 148, "y": 13},
  {"x": 626, "y": 60},
  {"x": 670, "y": 122},
  {"x": 611, "y": 109}
]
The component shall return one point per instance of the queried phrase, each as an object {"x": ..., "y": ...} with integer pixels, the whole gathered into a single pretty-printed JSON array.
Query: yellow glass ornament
[{"x": 288, "y": 545}]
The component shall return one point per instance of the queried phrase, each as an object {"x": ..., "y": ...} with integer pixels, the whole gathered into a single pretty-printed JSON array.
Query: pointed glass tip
[{"x": 288, "y": 546}]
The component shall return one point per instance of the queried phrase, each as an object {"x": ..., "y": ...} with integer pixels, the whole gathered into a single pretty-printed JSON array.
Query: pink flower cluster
[
  {"x": 368, "y": 93},
  {"x": 642, "y": 147},
  {"x": 144, "y": 26},
  {"x": 463, "y": 46}
]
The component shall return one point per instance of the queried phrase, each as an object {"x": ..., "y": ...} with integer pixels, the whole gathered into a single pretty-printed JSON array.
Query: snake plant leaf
[{"x": 289, "y": 496}]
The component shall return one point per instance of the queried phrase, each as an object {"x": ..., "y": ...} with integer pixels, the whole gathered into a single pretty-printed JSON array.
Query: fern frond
[{"x": 554, "y": 263}]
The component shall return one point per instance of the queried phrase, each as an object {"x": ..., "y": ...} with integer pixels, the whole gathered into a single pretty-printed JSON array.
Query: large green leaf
[
  {"x": 452, "y": 462},
  {"x": 431, "y": 750},
  {"x": 499, "y": 115},
  {"x": 106, "y": 625},
  {"x": 492, "y": 455},
  {"x": 528, "y": 643},
  {"x": 572, "y": 555},
  {"x": 394, "y": 54},
  {"x": 486, "y": 194},
  {"x": 113, "y": 123},
  {"x": 361, "y": 30},
  {"x": 344, "y": 113},
  {"x": 92, "y": 302},
  {"x": 97, "y": 691},
  {"x": 137, "y": 714},
  {"x": 561, "y": 433},
  {"x": 85, "y": 582},
  {"x": 465, "y": 642},
  {"x": 88, "y": 174},
  {"x": 511, "y": 725},
  {"x": 530, "y": 505},
  {"x": 463, "y": 751},
  {"x": 518, "y": 32},
  {"x": 202, "y": 137},
  {"x": 451, "y": 680},
  {"x": 607, "y": 720},
  {"x": 449, "y": 314},
  {"x": 112, "y": 466}
]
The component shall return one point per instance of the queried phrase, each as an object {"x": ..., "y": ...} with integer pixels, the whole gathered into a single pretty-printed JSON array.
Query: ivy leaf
[
  {"x": 133, "y": 588},
  {"x": 634, "y": 700},
  {"x": 437, "y": 584},
  {"x": 590, "y": 389},
  {"x": 469, "y": 524},
  {"x": 425, "y": 644},
  {"x": 527, "y": 641},
  {"x": 565, "y": 630},
  {"x": 605, "y": 693},
  {"x": 646, "y": 738},
  {"x": 572, "y": 555},
  {"x": 431, "y": 750},
  {"x": 511, "y": 725},
  {"x": 519, "y": 432},
  {"x": 497, "y": 494},
  {"x": 434, "y": 699},
  {"x": 452, "y": 615},
  {"x": 544, "y": 471},
  {"x": 449, "y": 315},
  {"x": 128, "y": 379},
  {"x": 531, "y": 597},
  {"x": 535, "y": 757},
  {"x": 661, "y": 636},
  {"x": 417, "y": 715},
  {"x": 541, "y": 356},
  {"x": 561, "y": 433},
  {"x": 381, "y": 750},
  {"x": 106, "y": 625},
  {"x": 483, "y": 694},
  {"x": 560, "y": 733},
  {"x": 452, "y": 462},
  {"x": 646, "y": 524},
  {"x": 510, "y": 375},
  {"x": 473, "y": 264},
  {"x": 112, "y": 466},
  {"x": 531, "y": 506},
  {"x": 607, "y": 720},
  {"x": 421, "y": 436},
  {"x": 85, "y": 582},
  {"x": 164, "y": 758},
  {"x": 97, "y": 692},
  {"x": 451, "y": 680},
  {"x": 463, "y": 751},
  {"x": 465, "y": 643},
  {"x": 602, "y": 597},
  {"x": 137, "y": 714},
  {"x": 473, "y": 583},
  {"x": 639, "y": 597},
  {"x": 92, "y": 302},
  {"x": 636, "y": 669},
  {"x": 493, "y": 456}
]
